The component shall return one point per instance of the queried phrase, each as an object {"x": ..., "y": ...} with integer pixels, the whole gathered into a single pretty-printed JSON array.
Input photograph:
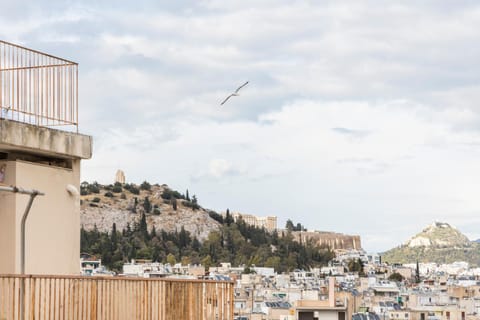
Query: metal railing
[
  {"x": 116, "y": 298},
  {"x": 37, "y": 88}
]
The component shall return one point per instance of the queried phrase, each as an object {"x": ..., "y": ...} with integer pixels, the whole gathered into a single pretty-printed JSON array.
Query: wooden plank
[
  {"x": 115, "y": 298},
  {"x": 94, "y": 300}
]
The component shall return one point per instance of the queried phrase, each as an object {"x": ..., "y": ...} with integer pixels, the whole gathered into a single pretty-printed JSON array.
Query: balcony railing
[
  {"x": 37, "y": 88},
  {"x": 116, "y": 298}
]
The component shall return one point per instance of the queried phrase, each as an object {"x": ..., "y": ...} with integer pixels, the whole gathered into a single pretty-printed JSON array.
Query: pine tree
[
  {"x": 289, "y": 226},
  {"x": 145, "y": 186},
  {"x": 239, "y": 243},
  {"x": 187, "y": 197}
]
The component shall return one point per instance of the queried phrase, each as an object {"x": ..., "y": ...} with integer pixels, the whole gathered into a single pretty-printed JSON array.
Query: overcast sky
[{"x": 361, "y": 117}]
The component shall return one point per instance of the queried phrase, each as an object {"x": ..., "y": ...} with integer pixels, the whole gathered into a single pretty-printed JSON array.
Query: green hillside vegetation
[
  {"x": 234, "y": 242},
  {"x": 405, "y": 254},
  {"x": 439, "y": 243},
  {"x": 95, "y": 194}
]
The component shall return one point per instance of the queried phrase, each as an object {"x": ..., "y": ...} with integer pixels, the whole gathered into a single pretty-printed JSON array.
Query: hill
[
  {"x": 438, "y": 242},
  {"x": 124, "y": 221},
  {"x": 164, "y": 208}
]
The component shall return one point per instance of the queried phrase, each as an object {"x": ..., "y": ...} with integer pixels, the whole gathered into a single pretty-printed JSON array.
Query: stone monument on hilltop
[{"x": 120, "y": 177}]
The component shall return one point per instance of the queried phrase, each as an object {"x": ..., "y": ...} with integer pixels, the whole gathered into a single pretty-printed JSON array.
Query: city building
[
  {"x": 36, "y": 157},
  {"x": 40, "y": 180},
  {"x": 268, "y": 222}
]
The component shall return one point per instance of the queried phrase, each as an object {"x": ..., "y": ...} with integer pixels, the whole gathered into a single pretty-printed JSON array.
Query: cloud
[
  {"x": 350, "y": 132},
  {"x": 220, "y": 168},
  {"x": 353, "y": 110},
  {"x": 389, "y": 172}
]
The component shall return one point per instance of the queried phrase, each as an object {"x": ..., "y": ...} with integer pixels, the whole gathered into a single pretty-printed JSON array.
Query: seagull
[{"x": 234, "y": 94}]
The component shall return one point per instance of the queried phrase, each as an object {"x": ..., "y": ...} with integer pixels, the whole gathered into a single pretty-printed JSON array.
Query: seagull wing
[
  {"x": 226, "y": 99},
  {"x": 243, "y": 85}
]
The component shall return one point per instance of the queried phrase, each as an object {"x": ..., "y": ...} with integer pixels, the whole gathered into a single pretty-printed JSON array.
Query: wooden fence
[{"x": 116, "y": 298}]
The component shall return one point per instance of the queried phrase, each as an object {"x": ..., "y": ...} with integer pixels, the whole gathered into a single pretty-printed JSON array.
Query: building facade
[
  {"x": 268, "y": 222},
  {"x": 33, "y": 156}
]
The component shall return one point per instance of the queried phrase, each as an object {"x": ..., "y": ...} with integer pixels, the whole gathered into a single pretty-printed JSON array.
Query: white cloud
[
  {"x": 219, "y": 168},
  {"x": 353, "y": 110}
]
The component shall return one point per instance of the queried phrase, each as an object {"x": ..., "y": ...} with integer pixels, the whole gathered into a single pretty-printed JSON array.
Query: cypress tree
[
  {"x": 143, "y": 227},
  {"x": 147, "y": 205},
  {"x": 153, "y": 233},
  {"x": 113, "y": 237},
  {"x": 417, "y": 274}
]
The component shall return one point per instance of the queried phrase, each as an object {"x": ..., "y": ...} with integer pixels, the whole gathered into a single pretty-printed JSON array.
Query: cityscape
[{"x": 239, "y": 160}]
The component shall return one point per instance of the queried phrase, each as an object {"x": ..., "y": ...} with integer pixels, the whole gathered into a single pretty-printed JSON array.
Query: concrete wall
[
  {"x": 46, "y": 160},
  {"x": 332, "y": 240},
  {"x": 7, "y": 222},
  {"x": 53, "y": 225},
  {"x": 40, "y": 140}
]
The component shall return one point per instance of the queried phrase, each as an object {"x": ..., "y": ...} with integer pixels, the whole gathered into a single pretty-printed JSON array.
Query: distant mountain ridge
[
  {"x": 440, "y": 243},
  {"x": 170, "y": 211}
]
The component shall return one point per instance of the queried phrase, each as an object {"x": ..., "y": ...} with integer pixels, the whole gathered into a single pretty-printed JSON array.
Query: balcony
[{"x": 37, "y": 88}]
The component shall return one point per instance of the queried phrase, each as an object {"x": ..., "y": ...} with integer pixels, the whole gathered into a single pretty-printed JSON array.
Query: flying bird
[{"x": 234, "y": 94}]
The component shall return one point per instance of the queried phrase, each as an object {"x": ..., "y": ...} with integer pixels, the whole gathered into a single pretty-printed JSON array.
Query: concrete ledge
[{"x": 41, "y": 140}]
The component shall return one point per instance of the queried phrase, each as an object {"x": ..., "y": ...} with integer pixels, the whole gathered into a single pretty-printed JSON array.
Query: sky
[{"x": 360, "y": 117}]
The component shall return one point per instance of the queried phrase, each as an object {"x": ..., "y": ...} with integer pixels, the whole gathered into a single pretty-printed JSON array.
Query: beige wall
[
  {"x": 7, "y": 221},
  {"x": 441, "y": 312},
  {"x": 53, "y": 224}
]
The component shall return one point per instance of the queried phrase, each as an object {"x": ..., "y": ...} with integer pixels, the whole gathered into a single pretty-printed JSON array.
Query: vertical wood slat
[{"x": 69, "y": 297}]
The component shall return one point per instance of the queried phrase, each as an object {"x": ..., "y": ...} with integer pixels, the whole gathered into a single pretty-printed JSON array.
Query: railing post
[{"x": 37, "y": 88}]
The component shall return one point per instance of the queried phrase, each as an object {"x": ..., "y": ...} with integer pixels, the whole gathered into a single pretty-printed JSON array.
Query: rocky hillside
[
  {"x": 439, "y": 235},
  {"x": 438, "y": 242},
  {"x": 166, "y": 209}
]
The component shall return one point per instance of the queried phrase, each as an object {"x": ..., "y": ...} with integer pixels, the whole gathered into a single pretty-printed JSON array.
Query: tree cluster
[
  {"x": 234, "y": 242},
  {"x": 298, "y": 227},
  {"x": 356, "y": 265}
]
